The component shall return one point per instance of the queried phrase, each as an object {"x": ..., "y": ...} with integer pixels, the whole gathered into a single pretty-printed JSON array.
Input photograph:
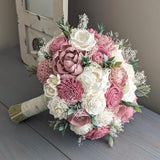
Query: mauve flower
[
  {"x": 96, "y": 134},
  {"x": 79, "y": 118},
  {"x": 44, "y": 70},
  {"x": 67, "y": 62},
  {"x": 124, "y": 113},
  {"x": 58, "y": 43},
  {"x": 70, "y": 90},
  {"x": 113, "y": 97},
  {"x": 106, "y": 42},
  {"x": 119, "y": 77},
  {"x": 96, "y": 34}
]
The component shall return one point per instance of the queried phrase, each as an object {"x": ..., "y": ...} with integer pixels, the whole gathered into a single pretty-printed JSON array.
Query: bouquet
[{"x": 89, "y": 82}]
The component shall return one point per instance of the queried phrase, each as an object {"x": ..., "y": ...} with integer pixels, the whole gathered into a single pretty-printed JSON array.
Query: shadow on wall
[{"x": 137, "y": 20}]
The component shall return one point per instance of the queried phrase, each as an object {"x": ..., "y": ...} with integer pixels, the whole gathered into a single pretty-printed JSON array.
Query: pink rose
[
  {"x": 67, "y": 62},
  {"x": 70, "y": 90},
  {"x": 113, "y": 97},
  {"x": 58, "y": 43},
  {"x": 96, "y": 34},
  {"x": 124, "y": 113},
  {"x": 106, "y": 42},
  {"x": 44, "y": 70},
  {"x": 119, "y": 77},
  {"x": 80, "y": 118},
  {"x": 99, "y": 52},
  {"x": 96, "y": 134},
  {"x": 135, "y": 100}
]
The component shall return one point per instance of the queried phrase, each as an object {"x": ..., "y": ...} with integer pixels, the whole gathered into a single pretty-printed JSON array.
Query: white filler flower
[
  {"x": 82, "y": 39},
  {"x": 105, "y": 118},
  {"x": 58, "y": 107},
  {"x": 81, "y": 130}
]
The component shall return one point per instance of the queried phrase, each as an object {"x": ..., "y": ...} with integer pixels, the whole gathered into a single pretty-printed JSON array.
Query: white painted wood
[{"x": 31, "y": 25}]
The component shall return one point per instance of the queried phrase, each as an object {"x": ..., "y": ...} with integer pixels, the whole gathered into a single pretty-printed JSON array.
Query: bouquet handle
[{"x": 23, "y": 111}]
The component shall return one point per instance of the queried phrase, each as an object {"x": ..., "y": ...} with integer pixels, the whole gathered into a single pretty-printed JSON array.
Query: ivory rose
[
  {"x": 79, "y": 118},
  {"x": 82, "y": 39},
  {"x": 67, "y": 62}
]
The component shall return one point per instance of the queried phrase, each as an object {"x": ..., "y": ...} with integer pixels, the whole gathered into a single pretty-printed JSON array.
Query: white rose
[
  {"x": 94, "y": 78},
  {"x": 82, "y": 39},
  {"x": 130, "y": 87},
  {"x": 117, "y": 53},
  {"x": 58, "y": 107},
  {"x": 105, "y": 118},
  {"x": 93, "y": 103},
  {"x": 81, "y": 130},
  {"x": 50, "y": 87}
]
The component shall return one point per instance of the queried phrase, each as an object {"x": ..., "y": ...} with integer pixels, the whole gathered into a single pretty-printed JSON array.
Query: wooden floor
[{"x": 34, "y": 140}]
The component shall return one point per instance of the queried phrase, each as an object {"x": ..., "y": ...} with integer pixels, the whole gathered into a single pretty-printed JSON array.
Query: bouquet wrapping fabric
[{"x": 89, "y": 82}]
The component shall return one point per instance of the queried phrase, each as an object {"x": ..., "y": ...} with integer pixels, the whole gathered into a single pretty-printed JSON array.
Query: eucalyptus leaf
[
  {"x": 110, "y": 141},
  {"x": 94, "y": 122}
]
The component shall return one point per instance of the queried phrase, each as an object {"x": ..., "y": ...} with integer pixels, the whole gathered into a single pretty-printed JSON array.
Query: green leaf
[
  {"x": 110, "y": 141},
  {"x": 135, "y": 63},
  {"x": 135, "y": 106},
  {"x": 105, "y": 58},
  {"x": 94, "y": 122},
  {"x": 47, "y": 56},
  {"x": 56, "y": 124},
  {"x": 31, "y": 69},
  {"x": 85, "y": 61},
  {"x": 100, "y": 28},
  {"x": 71, "y": 111},
  {"x": 142, "y": 91},
  {"x": 61, "y": 127},
  {"x": 117, "y": 64}
]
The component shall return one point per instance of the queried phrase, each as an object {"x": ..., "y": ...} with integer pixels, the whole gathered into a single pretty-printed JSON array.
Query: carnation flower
[
  {"x": 93, "y": 103},
  {"x": 58, "y": 43},
  {"x": 70, "y": 90},
  {"x": 82, "y": 39},
  {"x": 58, "y": 107},
  {"x": 119, "y": 77},
  {"x": 79, "y": 118},
  {"x": 124, "y": 113},
  {"x": 44, "y": 70},
  {"x": 94, "y": 78},
  {"x": 104, "y": 118},
  {"x": 81, "y": 130},
  {"x": 96, "y": 134},
  {"x": 113, "y": 97},
  {"x": 50, "y": 89},
  {"x": 67, "y": 62}
]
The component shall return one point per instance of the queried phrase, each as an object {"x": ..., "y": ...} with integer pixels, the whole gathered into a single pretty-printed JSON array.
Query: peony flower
[
  {"x": 79, "y": 118},
  {"x": 82, "y": 39},
  {"x": 98, "y": 57},
  {"x": 96, "y": 134},
  {"x": 94, "y": 78},
  {"x": 67, "y": 62},
  {"x": 130, "y": 87},
  {"x": 58, "y": 43},
  {"x": 70, "y": 90},
  {"x": 50, "y": 89},
  {"x": 113, "y": 97},
  {"x": 93, "y": 103},
  {"x": 44, "y": 70},
  {"x": 119, "y": 77},
  {"x": 117, "y": 54},
  {"x": 105, "y": 118},
  {"x": 96, "y": 34},
  {"x": 58, "y": 107},
  {"x": 81, "y": 130},
  {"x": 124, "y": 113},
  {"x": 106, "y": 42}
]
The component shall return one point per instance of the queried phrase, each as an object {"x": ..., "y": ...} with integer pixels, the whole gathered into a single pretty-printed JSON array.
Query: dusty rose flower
[
  {"x": 124, "y": 113},
  {"x": 96, "y": 134},
  {"x": 44, "y": 70},
  {"x": 70, "y": 90},
  {"x": 119, "y": 77},
  {"x": 80, "y": 118},
  {"x": 113, "y": 97},
  {"x": 96, "y": 34},
  {"x": 67, "y": 62},
  {"x": 58, "y": 43},
  {"x": 106, "y": 42}
]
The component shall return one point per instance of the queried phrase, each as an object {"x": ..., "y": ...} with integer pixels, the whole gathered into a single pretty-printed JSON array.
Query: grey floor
[{"x": 34, "y": 140}]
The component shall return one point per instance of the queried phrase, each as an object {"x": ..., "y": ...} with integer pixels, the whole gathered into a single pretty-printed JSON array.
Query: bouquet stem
[{"x": 23, "y": 111}]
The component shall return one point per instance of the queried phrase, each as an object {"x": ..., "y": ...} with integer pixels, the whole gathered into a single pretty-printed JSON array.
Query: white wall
[
  {"x": 8, "y": 24},
  {"x": 138, "y": 20}
]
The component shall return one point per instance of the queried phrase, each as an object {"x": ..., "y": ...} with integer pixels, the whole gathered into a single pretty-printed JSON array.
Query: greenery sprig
[
  {"x": 110, "y": 140},
  {"x": 94, "y": 121},
  {"x": 47, "y": 56},
  {"x": 135, "y": 106},
  {"x": 31, "y": 69},
  {"x": 100, "y": 29},
  {"x": 65, "y": 27},
  {"x": 73, "y": 109},
  {"x": 135, "y": 63},
  {"x": 143, "y": 91},
  {"x": 85, "y": 61}
]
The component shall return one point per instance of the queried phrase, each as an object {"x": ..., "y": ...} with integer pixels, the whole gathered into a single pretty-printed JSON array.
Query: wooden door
[{"x": 37, "y": 20}]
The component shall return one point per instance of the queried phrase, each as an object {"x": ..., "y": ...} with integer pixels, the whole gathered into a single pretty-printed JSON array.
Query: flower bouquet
[{"x": 89, "y": 82}]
